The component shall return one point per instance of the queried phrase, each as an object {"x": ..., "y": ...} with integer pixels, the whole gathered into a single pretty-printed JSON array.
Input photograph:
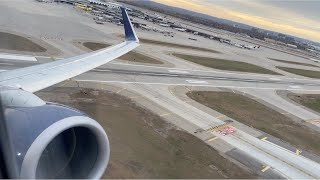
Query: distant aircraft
[
  {"x": 315, "y": 60},
  {"x": 180, "y": 29},
  {"x": 164, "y": 25},
  {"x": 251, "y": 46},
  {"x": 148, "y": 28},
  {"x": 238, "y": 45},
  {"x": 48, "y": 140}
]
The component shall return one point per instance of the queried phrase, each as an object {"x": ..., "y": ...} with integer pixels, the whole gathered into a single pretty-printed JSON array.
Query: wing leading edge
[{"x": 38, "y": 77}]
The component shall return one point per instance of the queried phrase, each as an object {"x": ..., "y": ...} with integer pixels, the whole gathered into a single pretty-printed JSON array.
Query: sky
[{"x": 295, "y": 17}]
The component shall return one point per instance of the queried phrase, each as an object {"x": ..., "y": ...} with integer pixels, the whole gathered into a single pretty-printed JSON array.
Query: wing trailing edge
[{"x": 35, "y": 78}]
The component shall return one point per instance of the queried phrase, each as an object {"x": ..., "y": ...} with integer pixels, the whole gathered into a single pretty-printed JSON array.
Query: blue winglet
[{"x": 128, "y": 28}]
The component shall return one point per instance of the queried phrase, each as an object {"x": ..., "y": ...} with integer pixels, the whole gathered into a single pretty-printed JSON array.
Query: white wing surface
[{"x": 38, "y": 77}]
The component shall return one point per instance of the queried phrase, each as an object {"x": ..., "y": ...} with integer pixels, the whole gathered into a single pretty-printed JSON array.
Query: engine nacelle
[{"x": 54, "y": 141}]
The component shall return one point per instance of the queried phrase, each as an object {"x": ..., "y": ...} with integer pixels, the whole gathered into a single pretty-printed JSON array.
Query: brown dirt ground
[
  {"x": 259, "y": 116},
  {"x": 292, "y": 62},
  {"x": 311, "y": 101},
  {"x": 18, "y": 43},
  {"x": 168, "y": 44},
  {"x": 130, "y": 56},
  {"x": 225, "y": 64},
  {"x": 142, "y": 144},
  {"x": 302, "y": 72},
  {"x": 95, "y": 46}
]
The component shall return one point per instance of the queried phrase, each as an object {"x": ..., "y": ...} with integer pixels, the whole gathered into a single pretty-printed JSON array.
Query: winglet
[{"x": 128, "y": 28}]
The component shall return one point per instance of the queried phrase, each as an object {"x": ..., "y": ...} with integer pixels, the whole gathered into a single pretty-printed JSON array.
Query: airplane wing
[{"x": 38, "y": 77}]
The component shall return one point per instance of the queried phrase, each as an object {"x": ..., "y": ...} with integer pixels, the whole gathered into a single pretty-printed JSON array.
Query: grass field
[
  {"x": 311, "y": 101},
  {"x": 18, "y": 43},
  {"x": 259, "y": 116},
  {"x": 143, "y": 145},
  {"x": 137, "y": 57},
  {"x": 291, "y": 62},
  {"x": 130, "y": 56},
  {"x": 95, "y": 46},
  {"x": 225, "y": 64},
  {"x": 301, "y": 72},
  {"x": 168, "y": 44}
]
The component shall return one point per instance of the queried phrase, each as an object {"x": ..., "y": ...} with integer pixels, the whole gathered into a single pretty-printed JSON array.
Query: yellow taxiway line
[
  {"x": 263, "y": 139},
  {"x": 218, "y": 127},
  {"x": 212, "y": 139},
  {"x": 312, "y": 120},
  {"x": 265, "y": 169},
  {"x": 221, "y": 116},
  {"x": 166, "y": 114},
  {"x": 298, "y": 152}
]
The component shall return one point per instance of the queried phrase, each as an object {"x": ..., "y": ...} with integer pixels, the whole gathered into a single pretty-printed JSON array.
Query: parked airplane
[
  {"x": 251, "y": 46},
  {"x": 315, "y": 60},
  {"x": 181, "y": 29},
  {"x": 47, "y": 140}
]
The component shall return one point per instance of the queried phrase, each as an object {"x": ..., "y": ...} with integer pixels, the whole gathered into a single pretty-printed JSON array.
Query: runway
[
  {"x": 162, "y": 90},
  {"x": 199, "y": 76},
  {"x": 283, "y": 161},
  {"x": 123, "y": 73},
  {"x": 154, "y": 83}
]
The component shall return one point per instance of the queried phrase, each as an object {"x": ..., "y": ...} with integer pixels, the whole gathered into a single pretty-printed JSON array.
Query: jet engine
[{"x": 51, "y": 140}]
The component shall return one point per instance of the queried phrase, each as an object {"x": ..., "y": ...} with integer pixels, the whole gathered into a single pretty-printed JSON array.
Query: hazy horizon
[{"x": 297, "y": 18}]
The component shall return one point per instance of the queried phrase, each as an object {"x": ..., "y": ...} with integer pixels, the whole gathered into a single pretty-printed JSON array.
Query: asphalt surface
[
  {"x": 151, "y": 74},
  {"x": 156, "y": 85},
  {"x": 153, "y": 83}
]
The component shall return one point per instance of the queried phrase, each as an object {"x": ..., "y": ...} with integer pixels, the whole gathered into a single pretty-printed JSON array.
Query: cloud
[
  {"x": 270, "y": 17},
  {"x": 282, "y": 15},
  {"x": 195, "y": 4}
]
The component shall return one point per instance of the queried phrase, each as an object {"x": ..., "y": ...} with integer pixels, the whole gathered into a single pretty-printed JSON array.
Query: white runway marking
[
  {"x": 6, "y": 64},
  {"x": 197, "y": 82},
  {"x": 179, "y": 71},
  {"x": 194, "y": 85},
  {"x": 275, "y": 79},
  {"x": 220, "y": 72},
  {"x": 17, "y": 57},
  {"x": 295, "y": 87},
  {"x": 195, "y": 70}
]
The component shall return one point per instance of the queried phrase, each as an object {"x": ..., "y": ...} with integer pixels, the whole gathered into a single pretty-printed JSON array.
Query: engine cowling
[{"x": 54, "y": 141}]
